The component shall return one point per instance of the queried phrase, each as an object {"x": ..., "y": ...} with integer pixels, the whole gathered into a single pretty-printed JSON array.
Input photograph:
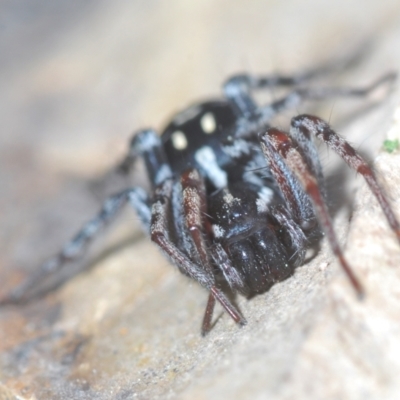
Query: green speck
[{"x": 391, "y": 145}]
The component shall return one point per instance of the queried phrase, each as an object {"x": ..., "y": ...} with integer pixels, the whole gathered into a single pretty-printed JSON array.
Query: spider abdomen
[
  {"x": 256, "y": 244},
  {"x": 260, "y": 259}
]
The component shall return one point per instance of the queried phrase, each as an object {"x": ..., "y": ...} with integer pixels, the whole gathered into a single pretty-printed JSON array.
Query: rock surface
[{"x": 76, "y": 78}]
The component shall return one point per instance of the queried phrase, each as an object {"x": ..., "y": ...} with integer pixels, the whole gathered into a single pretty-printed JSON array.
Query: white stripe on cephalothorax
[{"x": 207, "y": 160}]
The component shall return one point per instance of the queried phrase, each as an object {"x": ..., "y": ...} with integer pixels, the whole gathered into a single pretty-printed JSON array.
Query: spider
[{"x": 234, "y": 203}]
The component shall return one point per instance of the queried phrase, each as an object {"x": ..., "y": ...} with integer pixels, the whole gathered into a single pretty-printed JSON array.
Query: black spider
[{"x": 233, "y": 201}]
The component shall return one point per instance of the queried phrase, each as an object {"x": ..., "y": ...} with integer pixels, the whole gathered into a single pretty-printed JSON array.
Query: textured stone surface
[{"x": 76, "y": 79}]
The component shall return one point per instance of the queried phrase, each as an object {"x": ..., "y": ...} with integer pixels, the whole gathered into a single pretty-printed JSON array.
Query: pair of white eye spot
[{"x": 208, "y": 125}]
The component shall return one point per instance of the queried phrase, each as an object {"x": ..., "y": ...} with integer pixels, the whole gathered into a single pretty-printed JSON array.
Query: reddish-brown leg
[
  {"x": 160, "y": 234},
  {"x": 208, "y": 314},
  {"x": 313, "y": 125},
  {"x": 194, "y": 210},
  {"x": 275, "y": 141}
]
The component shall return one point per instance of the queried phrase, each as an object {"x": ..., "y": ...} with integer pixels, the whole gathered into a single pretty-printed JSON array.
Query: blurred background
[{"x": 77, "y": 78}]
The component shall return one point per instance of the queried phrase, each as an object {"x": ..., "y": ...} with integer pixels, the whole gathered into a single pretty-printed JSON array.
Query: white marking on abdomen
[
  {"x": 218, "y": 231},
  {"x": 265, "y": 195}
]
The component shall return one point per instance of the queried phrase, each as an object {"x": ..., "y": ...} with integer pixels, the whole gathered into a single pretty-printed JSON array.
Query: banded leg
[
  {"x": 161, "y": 235},
  {"x": 76, "y": 247},
  {"x": 261, "y": 117},
  {"x": 298, "y": 96},
  {"x": 309, "y": 125},
  {"x": 147, "y": 144},
  {"x": 238, "y": 87},
  {"x": 277, "y": 142}
]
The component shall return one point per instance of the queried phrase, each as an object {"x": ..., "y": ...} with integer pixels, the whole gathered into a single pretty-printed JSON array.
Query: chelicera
[{"x": 234, "y": 202}]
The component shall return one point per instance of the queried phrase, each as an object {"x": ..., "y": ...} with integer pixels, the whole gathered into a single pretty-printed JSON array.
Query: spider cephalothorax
[{"x": 233, "y": 201}]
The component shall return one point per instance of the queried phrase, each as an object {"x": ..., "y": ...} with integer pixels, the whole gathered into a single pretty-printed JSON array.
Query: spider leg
[
  {"x": 276, "y": 142},
  {"x": 234, "y": 279},
  {"x": 297, "y": 236},
  {"x": 161, "y": 234},
  {"x": 195, "y": 208},
  {"x": 298, "y": 96},
  {"x": 208, "y": 314},
  {"x": 147, "y": 144},
  {"x": 238, "y": 87},
  {"x": 297, "y": 201},
  {"x": 231, "y": 274},
  {"x": 255, "y": 118},
  {"x": 76, "y": 247},
  {"x": 194, "y": 211},
  {"x": 309, "y": 125}
]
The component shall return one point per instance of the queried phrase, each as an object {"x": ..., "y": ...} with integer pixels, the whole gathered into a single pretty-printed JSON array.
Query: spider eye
[
  {"x": 179, "y": 140},
  {"x": 208, "y": 123}
]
